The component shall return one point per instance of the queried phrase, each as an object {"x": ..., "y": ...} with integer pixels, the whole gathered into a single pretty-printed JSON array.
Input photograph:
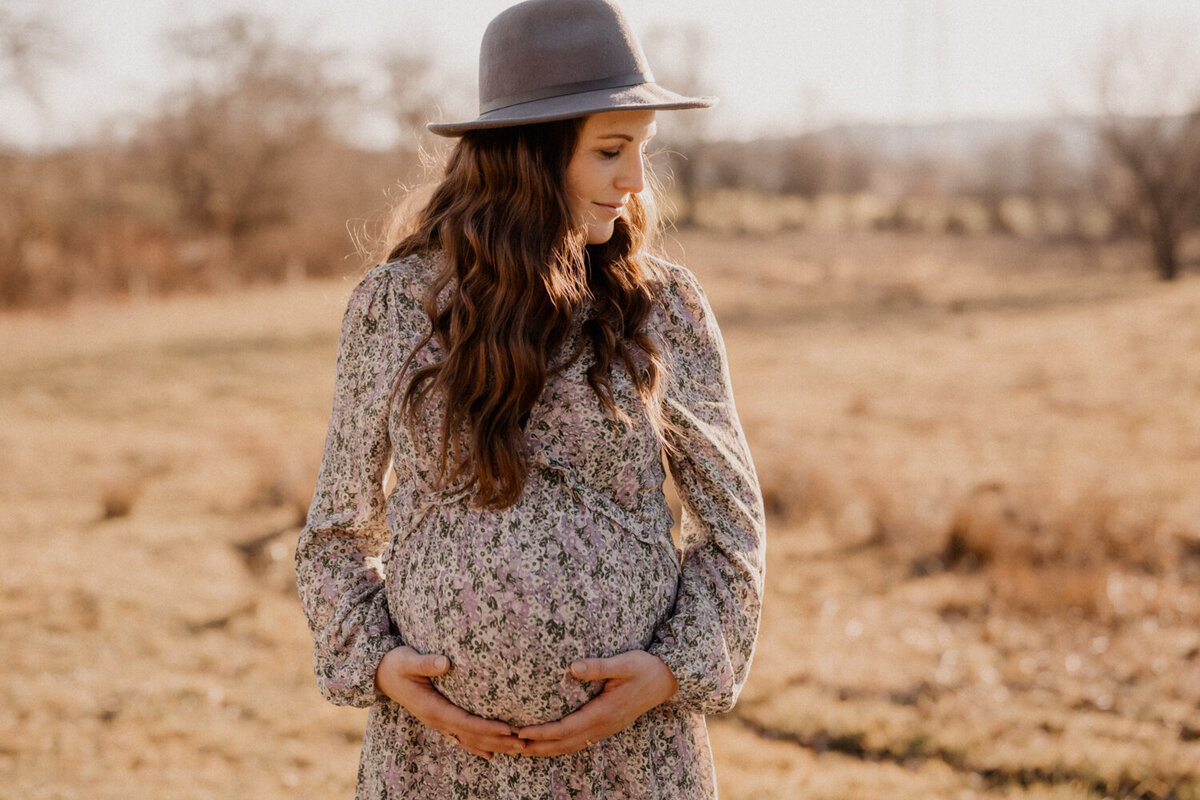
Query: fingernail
[
  {"x": 579, "y": 668},
  {"x": 441, "y": 662}
]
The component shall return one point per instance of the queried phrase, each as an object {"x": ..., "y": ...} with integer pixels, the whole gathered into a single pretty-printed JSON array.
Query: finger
[
  {"x": 430, "y": 665},
  {"x": 475, "y": 751},
  {"x": 600, "y": 669},
  {"x": 510, "y": 745},
  {"x": 445, "y": 716},
  {"x": 548, "y": 731},
  {"x": 555, "y": 748},
  {"x": 587, "y": 722},
  {"x": 464, "y": 723},
  {"x": 506, "y": 743},
  {"x": 433, "y": 709},
  {"x": 471, "y": 747}
]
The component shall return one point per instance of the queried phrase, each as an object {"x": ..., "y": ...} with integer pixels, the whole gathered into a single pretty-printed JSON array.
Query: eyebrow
[{"x": 624, "y": 136}]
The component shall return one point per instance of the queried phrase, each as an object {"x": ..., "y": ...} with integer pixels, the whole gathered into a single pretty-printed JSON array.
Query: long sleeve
[
  {"x": 337, "y": 572},
  {"x": 708, "y": 641}
]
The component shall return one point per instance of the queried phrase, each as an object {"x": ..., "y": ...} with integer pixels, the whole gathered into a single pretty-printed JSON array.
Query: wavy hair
[{"x": 516, "y": 272}]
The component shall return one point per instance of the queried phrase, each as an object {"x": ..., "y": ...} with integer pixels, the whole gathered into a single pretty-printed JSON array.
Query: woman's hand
[
  {"x": 634, "y": 683},
  {"x": 404, "y": 674}
]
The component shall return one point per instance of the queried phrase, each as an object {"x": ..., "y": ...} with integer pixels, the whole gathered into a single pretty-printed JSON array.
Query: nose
[{"x": 631, "y": 177}]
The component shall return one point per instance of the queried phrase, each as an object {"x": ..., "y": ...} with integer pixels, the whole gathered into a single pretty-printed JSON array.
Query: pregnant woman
[{"x": 514, "y": 611}]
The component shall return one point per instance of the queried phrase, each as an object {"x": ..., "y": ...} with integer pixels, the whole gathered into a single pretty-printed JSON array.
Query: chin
[{"x": 600, "y": 236}]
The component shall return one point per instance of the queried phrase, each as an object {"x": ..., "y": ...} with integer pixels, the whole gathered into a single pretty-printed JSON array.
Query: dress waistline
[{"x": 406, "y": 512}]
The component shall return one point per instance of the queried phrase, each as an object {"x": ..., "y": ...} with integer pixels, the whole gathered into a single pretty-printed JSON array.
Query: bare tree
[
  {"x": 29, "y": 44},
  {"x": 1151, "y": 129},
  {"x": 236, "y": 143},
  {"x": 682, "y": 52},
  {"x": 997, "y": 180},
  {"x": 1049, "y": 172},
  {"x": 412, "y": 92},
  {"x": 805, "y": 166}
]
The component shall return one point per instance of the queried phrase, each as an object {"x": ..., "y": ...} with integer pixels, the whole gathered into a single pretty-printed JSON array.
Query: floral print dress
[{"x": 582, "y": 565}]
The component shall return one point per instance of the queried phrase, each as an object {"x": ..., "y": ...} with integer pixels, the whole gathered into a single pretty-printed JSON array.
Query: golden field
[{"x": 980, "y": 457}]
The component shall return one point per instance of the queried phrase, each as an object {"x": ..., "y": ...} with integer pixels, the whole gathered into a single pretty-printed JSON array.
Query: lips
[{"x": 611, "y": 209}]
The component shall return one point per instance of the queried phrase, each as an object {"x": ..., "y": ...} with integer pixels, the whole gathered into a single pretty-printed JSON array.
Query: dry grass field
[{"x": 981, "y": 460}]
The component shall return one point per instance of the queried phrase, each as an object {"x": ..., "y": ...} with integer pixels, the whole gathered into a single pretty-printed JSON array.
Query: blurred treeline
[
  {"x": 250, "y": 170},
  {"x": 245, "y": 172}
]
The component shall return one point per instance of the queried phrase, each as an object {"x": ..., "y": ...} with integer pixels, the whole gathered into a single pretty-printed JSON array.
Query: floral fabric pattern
[{"x": 583, "y": 564}]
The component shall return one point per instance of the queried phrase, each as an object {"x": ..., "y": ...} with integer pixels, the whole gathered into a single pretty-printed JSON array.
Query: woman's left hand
[{"x": 634, "y": 683}]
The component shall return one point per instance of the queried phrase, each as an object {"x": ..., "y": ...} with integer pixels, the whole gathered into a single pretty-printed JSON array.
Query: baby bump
[{"x": 512, "y": 597}]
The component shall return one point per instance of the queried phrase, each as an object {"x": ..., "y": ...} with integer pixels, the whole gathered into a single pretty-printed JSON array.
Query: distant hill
[
  {"x": 964, "y": 138},
  {"x": 954, "y": 154}
]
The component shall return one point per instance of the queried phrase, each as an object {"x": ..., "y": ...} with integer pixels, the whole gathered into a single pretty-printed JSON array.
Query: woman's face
[{"x": 606, "y": 168}]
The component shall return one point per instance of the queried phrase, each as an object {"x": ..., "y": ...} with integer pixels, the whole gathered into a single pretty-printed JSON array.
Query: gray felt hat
[{"x": 544, "y": 60}]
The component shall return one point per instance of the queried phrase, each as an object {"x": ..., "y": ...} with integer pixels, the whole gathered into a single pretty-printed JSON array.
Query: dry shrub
[
  {"x": 269, "y": 557},
  {"x": 117, "y": 499},
  {"x": 283, "y": 484},
  {"x": 1039, "y": 548},
  {"x": 1128, "y": 531},
  {"x": 852, "y": 505},
  {"x": 987, "y": 527},
  {"x": 1045, "y": 556},
  {"x": 1050, "y": 588},
  {"x": 900, "y": 296},
  {"x": 731, "y": 210},
  {"x": 795, "y": 491}
]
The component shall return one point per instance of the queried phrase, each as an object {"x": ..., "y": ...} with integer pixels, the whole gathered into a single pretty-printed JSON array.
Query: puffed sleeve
[
  {"x": 708, "y": 640},
  {"x": 337, "y": 570}
]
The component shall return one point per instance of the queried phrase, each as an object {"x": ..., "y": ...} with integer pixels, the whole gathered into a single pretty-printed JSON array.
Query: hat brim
[{"x": 646, "y": 96}]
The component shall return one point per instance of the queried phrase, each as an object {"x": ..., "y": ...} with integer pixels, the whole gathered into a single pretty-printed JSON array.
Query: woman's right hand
[{"x": 404, "y": 674}]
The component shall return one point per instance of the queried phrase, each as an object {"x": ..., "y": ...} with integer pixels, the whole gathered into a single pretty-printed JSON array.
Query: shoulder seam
[{"x": 402, "y": 269}]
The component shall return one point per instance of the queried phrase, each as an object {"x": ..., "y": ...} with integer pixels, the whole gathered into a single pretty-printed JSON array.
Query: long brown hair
[{"x": 517, "y": 271}]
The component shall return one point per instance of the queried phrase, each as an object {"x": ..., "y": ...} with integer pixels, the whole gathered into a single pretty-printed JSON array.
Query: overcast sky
[{"x": 777, "y": 66}]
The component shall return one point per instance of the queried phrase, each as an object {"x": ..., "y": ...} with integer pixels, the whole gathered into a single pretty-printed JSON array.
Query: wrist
[
  {"x": 384, "y": 671},
  {"x": 671, "y": 685}
]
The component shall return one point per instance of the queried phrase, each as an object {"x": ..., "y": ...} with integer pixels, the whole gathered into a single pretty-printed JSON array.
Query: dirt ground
[{"x": 980, "y": 460}]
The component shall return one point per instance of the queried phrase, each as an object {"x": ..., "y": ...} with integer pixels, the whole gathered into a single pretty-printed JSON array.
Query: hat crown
[
  {"x": 546, "y": 60},
  {"x": 544, "y": 48}
]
